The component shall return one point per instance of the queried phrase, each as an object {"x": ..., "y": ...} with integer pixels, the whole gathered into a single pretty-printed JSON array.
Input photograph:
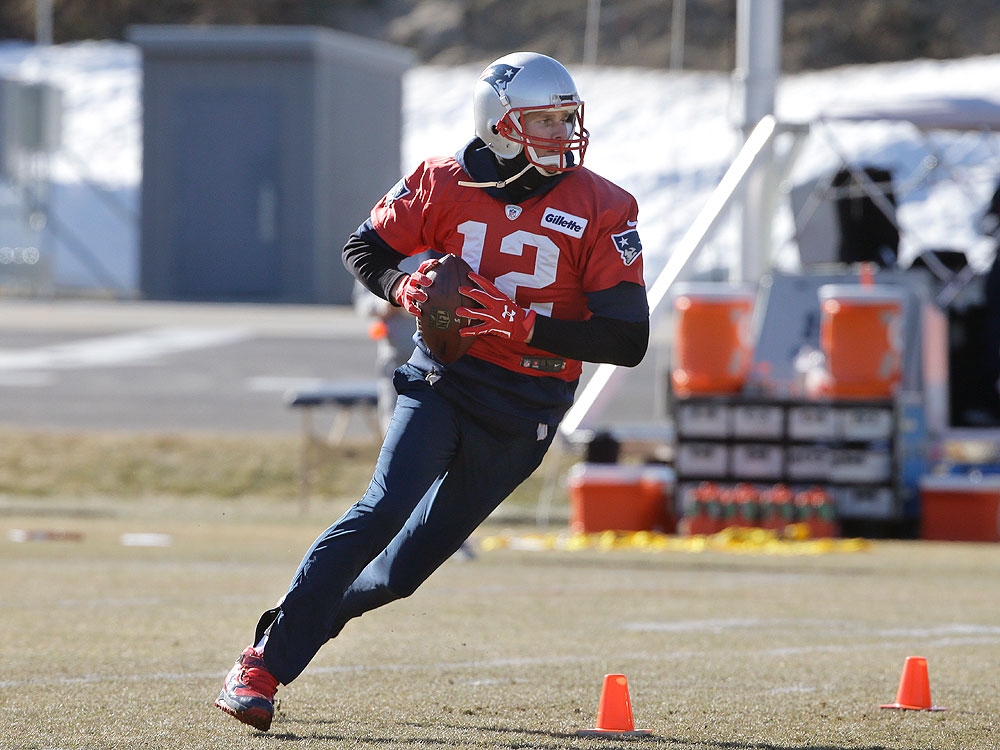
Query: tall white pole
[
  {"x": 592, "y": 32},
  {"x": 755, "y": 80},
  {"x": 677, "y": 32},
  {"x": 43, "y": 22},
  {"x": 758, "y": 58}
]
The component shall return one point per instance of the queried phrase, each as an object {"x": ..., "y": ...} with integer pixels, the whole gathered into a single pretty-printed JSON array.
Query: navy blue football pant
[{"x": 440, "y": 473}]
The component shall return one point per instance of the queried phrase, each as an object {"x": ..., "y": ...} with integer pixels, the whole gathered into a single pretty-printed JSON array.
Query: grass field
[{"x": 107, "y": 645}]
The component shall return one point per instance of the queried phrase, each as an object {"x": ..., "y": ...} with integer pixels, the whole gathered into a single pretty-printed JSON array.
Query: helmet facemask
[{"x": 568, "y": 150}]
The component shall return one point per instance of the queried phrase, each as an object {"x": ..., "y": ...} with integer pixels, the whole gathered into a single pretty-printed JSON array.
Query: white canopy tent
[
  {"x": 967, "y": 113},
  {"x": 974, "y": 120}
]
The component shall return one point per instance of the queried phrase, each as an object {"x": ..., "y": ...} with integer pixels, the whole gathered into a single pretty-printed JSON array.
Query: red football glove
[
  {"x": 499, "y": 315},
  {"x": 409, "y": 293}
]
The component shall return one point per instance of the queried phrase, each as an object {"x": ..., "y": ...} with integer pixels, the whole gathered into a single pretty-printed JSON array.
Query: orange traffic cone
[
  {"x": 614, "y": 713},
  {"x": 914, "y": 692}
]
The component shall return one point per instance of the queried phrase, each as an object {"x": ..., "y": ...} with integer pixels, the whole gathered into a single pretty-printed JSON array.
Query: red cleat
[{"x": 248, "y": 692}]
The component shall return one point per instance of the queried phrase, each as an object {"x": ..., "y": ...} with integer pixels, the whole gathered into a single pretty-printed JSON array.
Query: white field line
[
  {"x": 743, "y": 623},
  {"x": 128, "y": 348},
  {"x": 932, "y": 639},
  {"x": 26, "y": 379},
  {"x": 342, "y": 669}
]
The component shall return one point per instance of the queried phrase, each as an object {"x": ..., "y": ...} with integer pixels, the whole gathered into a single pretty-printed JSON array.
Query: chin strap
[{"x": 500, "y": 184}]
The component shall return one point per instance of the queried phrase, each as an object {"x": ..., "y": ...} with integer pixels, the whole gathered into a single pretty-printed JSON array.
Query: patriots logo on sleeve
[
  {"x": 628, "y": 245},
  {"x": 399, "y": 190},
  {"x": 498, "y": 76}
]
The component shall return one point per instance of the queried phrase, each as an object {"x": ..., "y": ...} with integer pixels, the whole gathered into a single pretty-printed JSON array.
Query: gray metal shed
[{"x": 263, "y": 149}]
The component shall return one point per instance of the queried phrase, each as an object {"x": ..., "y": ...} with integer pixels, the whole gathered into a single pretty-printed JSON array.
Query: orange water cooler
[
  {"x": 712, "y": 349},
  {"x": 861, "y": 339}
]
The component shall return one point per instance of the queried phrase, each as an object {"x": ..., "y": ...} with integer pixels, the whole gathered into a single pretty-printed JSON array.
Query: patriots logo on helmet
[
  {"x": 628, "y": 245},
  {"x": 399, "y": 190},
  {"x": 498, "y": 76}
]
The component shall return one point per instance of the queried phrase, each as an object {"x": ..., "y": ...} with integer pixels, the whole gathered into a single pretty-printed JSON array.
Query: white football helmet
[{"x": 523, "y": 82}]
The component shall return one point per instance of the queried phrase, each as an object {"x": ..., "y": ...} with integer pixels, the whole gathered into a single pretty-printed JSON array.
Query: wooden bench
[{"x": 346, "y": 399}]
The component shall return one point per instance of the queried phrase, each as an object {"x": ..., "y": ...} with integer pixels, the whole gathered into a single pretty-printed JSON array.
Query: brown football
[{"x": 438, "y": 324}]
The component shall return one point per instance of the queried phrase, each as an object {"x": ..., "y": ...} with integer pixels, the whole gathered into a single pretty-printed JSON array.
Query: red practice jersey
[{"x": 545, "y": 253}]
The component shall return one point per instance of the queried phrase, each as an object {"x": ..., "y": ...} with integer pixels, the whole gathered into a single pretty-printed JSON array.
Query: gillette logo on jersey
[
  {"x": 628, "y": 245},
  {"x": 563, "y": 222}
]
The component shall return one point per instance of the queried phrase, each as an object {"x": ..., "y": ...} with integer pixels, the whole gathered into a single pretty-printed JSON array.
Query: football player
[{"x": 558, "y": 281}]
